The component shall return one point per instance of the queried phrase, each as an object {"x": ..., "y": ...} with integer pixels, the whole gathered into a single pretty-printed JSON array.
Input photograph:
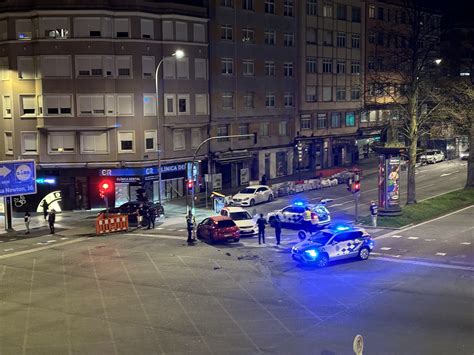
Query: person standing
[
  {"x": 151, "y": 218},
  {"x": 190, "y": 227},
  {"x": 27, "y": 222},
  {"x": 373, "y": 213},
  {"x": 45, "y": 209},
  {"x": 261, "y": 223},
  {"x": 264, "y": 179},
  {"x": 51, "y": 220},
  {"x": 307, "y": 220},
  {"x": 277, "y": 226}
]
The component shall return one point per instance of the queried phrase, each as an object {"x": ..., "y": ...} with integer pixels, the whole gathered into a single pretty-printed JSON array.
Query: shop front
[{"x": 344, "y": 151}]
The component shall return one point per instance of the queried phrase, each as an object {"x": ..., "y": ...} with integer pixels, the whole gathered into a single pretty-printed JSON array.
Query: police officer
[
  {"x": 307, "y": 219},
  {"x": 190, "y": 227},
  {"x": 277, "y": 226},
  {"x": 51, "y": 220},
  {"x": 261, "y": 222},
  {"x": 373, "y": 213}
]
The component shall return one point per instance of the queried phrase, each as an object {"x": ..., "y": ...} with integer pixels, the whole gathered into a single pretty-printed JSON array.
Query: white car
[
  {"x": 242, "y": 219},
  {"x": 252, "y": 195},
  {"x": 432, "y": 156},
  {"x": 464, "y": 155},
  {"x": 292, "y": 216}
]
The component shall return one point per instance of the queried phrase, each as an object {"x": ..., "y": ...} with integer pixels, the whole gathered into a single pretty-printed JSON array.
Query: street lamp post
[{"x": 178, "y": 54}]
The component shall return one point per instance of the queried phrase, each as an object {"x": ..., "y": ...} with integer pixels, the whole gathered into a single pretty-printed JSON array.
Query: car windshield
[
  {"x": 321, "y": 237},
  {"x": 226, "y": 223},
  {"x": 238, "y": 216},
  {"x": 248, "y": 190}
]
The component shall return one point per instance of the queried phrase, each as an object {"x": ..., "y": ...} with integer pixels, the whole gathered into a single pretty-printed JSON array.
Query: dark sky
[{"x": 455, "y": 11}]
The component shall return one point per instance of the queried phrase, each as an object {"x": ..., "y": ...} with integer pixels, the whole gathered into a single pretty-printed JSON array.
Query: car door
[
  {"x": 353, "y": 243},
  {"x": 339, "y": 248},
  {"x": 295, "y": 215},
  {"x": 260, "y": 195},
  {"x": 204, "y": 228}
]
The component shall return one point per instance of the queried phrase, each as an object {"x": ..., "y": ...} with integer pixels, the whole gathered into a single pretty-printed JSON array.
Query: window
[
  {"x": 183, "y": 104},
  {"x": 196, "y": 137},
  {"x": 327, "y": 10},
  {"x": 170, "y": 106},
  {"x": 149, "y": 105},
  {"x": 269, "y": 100},
  {"x": 371, "y": 63},
  {"x": 311, "y": 94},
  {"x": 227, "y": 66},
  {"x": 247, "y": 5},
  {"x": 8, "y": 143},
  {"x": 371, "y": 37},
  {"x": 327, "y": 39},
  {"x": 264, "y": 129},
  {"x": 305, "y": 123},
  {"x": 311, "y": 37},
  {"x": 270, "y": 37},
  {"x": 57, "y": 105},
  {"x": 380, "y": 38},
  {"x": 27, "y": 106},
  {"x": 29, "y": 143},
  {"x": 167, "y": 28},
  {"x": 169, "y": 68},
  {"x": 124, "y": 105},
  {"x": 223, "y": 131},
  {"x": 228, "y": 100},
  {"x": 249, "y": 99},
  {"x": 288, "y": 39},
  {"x": 61, "y": 142},
  {"x": 341, "y": 39},
  {"x": 340, "y": 94},
  {"x": 269, "y": 68},
  {"x": 269, "y": 6},
  {"x": 335, "y": 120},
  {"x": 109, "y": 66},
  {"x": 327, "y": 93},
  {"x": 55, "y": 66},
  {"x": 380, "y": 13},
  {"x": 288, "y": 69},
  {"x": 341, "y": 12},
  {"x": 181, "y": 31},
  {"x": 122, "y": 27},
  {"x": 311, "y": 7},
  {"x": 201, "y": 104},
  {"x": 24, "y": 29},
  {"x": 248, "y": 67},
  {"x": 356, "y": 14},
  {"x": 91, "y": 105},
  {"x": 55, "y": 27},
  {"x": 227, "y": 33},
  {"x": 199, "y": 33},
  {"x": 288, "y": 8},
  {"x": 355, "y": 41},
  {"x": 311, "y": 67},
  {"x": 243, "y": 129},
  {"x": 26, "y": 68},
  {"x": 148, "y": 67},
  {"x": 88, "y": 66},
  {"x": 7, "y": 107},
  {"x": 227, "y": 3},
  {"x": 283, "y": 128},
  {"x": 355, "y": 67},
  {"x": 3, "y": 30},
  {"x": 150, "y": 141},
  {"x": 4, "y": 69},
  {"x": 94, "y": 143},
  {"x": 350, "y": 119},
  {"x": 288, "y": 100},
  {"x": 322, "y": 119},
  {"x": 126, "y": 141},
  {"x": 247, "y": 35},
  {"x": 200, "y": 68},
  {"x": 182, "y": 66},
  {"x": 371, "y": 11},
  {"x": 340, "y": 67},
  {"x": 327, "y": 65},
  {"x": 124, "y": 66},
  {"x": 88, "y": 27},
  {"x": 147, "y": 30}
]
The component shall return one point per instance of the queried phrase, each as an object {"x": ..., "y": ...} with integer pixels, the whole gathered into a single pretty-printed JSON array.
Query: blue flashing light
[
  {"x": 342, "y": 228},
  {"x": 48, "y": 181},
  {"x": 312, "y": 253},
  {"x": 299, "y": 203}
]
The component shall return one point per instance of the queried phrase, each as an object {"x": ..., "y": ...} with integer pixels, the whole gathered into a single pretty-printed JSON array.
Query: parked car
[
  {"x": 135, "y": 208},
  {"x": 218, "y": 228},
  {"x": 292, "y": 216},
  {"x": 432, "y": 156},
  {"x": 464, "y": 155},
  {"x": 252, "y": 195},
  {"x": 242, "y": 218}
]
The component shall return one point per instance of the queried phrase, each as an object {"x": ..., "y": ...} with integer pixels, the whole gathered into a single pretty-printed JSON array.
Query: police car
[
  {"x": 293, "y": 216},
  {"x": 336, "y": 243}
]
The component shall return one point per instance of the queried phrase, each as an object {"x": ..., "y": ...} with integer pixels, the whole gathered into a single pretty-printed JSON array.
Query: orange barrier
[{"x": 114, "y": 223}]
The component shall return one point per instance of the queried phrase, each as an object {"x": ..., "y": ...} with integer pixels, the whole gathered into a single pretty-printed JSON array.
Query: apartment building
[
  {"x": 253, "y": 76},
  {"x": 77, "y": 84}
]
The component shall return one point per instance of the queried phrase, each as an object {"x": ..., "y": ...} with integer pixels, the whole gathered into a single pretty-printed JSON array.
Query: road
[{"x": 147, "y": 292}]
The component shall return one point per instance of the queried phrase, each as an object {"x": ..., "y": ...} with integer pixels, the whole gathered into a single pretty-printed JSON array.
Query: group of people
[
  {"x": 262, "y": 223},
  {"x": 146, "y": 217}
]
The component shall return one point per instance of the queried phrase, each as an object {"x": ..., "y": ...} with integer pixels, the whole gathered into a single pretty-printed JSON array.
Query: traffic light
[
  {"x": 105, "y": 187},
  {"x": 356, "y": 187},
  {"x": 190, "y": 184}
]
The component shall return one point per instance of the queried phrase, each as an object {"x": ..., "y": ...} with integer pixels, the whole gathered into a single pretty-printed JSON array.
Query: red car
[{"x": 218, "y": 228}]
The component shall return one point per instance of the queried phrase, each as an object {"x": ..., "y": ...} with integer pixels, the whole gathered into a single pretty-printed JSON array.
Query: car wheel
[
  {"x": 323, "y": 261},
  {"x": 302, "y": 235},
  {"x": 212, "y": 241},
  {"x": 364, "y": 253},
  {"x": 252, "y": 202},
  {"x": 236, "y": 240},
  {"x": 270, "y": 198}
]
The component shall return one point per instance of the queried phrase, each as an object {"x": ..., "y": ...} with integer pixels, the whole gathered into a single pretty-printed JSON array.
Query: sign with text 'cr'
[{"x": 17, "y": 177}]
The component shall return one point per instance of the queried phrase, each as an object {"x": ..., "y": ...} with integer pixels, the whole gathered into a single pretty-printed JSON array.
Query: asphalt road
[{"x": 149, "y": 293}]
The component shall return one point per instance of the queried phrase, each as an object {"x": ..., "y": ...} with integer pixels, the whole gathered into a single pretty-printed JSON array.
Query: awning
[
  {"x": 75, "y": 128},
  {"x": 368, "y": 132}
]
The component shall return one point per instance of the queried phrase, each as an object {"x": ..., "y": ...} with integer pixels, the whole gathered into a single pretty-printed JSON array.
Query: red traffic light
[
  {"x": 105, "y": 186},
  {"x": 190, "y": 184}
]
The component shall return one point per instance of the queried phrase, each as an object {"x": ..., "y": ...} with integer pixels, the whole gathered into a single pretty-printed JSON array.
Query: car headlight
[
  {"x": 311, "y": 253},
  {"x": 245, "y": 199}
]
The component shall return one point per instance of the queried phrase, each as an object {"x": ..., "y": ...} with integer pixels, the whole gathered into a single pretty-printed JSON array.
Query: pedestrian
[
  {"x": 261, "y": 223},
  {"x": 264, "y": 179},
  {"x": 373, "y": 213},
  {"x": 146, "y": 218},
  {"x": 27, "y": 222},
  {"x": 190, "y": 227},
  {"x": 307, "y": 219},
  {"x": 277, "y": 226},
  {"x": 314, "y": 221},
  {"x": 45, "y": 209},
  {"x": 151, "y": 218},
  {"x": 51, "y": 220}
]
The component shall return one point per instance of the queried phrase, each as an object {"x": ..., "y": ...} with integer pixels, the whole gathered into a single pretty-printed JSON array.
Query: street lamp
[
  {"x": 438, "y": 61},
  {"x": 178, "y": 54}
]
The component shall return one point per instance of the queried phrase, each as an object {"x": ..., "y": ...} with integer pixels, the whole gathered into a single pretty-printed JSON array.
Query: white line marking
[
  {"x": 466, "y": 243},
  {"x": 181, "y": 230},
  {"x": 42, "y": 248},
  {"x": 51, "y": 241},
  {"x": 9, "y": 249},
  {"x": 444, "y": 193},
  {"x": 11, "y": 239},
  {"x": 385, "y": 248},
  {"x": 396, "y": 236},
  {"x": 158, "y": 236},
  {"x": 423, "y": 263},
  {"x": 413, "y": 238},
  {"x": 159, "y": 228},
  {"x": 64, "y": 238},
  {"x": 430, "y": 239},
  {"x": 441, "y": 254},
  {"x": 447, "y": 174}
]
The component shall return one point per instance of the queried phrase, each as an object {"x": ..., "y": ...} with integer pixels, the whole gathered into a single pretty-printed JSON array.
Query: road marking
[
  {"x": 444, "y": 193},
  {"x": 413, "y": 238},
  {"x": 9, "y": 249},
  {"x": 396, "y": 236},
  {"x": 11, "y": 239},
  {"x": 18, "y": 253},
  {"x": 466, "y": 243},
  {"x": 158, "y": 236},
  {"x": 64, "y": 238},
  {"x": 181, "y": 230},
  {"x": 159, "y": 228},
  {"x": 385, "y": 248},
  {"x": 51, "y": 241},
  {"x": 429, "y": 239},
  {"x": 340, "y": 204},
  {"x": 425, "y": 186},
  {"x": 441, "y": 254},
  {"x": 447, "y": 174},
  {"x": 423, "y": 263}
]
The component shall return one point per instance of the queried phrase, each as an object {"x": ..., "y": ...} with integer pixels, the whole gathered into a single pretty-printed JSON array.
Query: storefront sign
[
  {"x": 128, "y": 179},
  {"x": 46, "y": 181},
  {"x": 244, "y": 176},
  {"x": 217, "y": 182},
  {"x": 142, "y": 171}
]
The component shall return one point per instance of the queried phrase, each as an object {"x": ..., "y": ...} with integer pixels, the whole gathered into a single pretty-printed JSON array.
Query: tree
[{"x": 401, "y": 67}]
